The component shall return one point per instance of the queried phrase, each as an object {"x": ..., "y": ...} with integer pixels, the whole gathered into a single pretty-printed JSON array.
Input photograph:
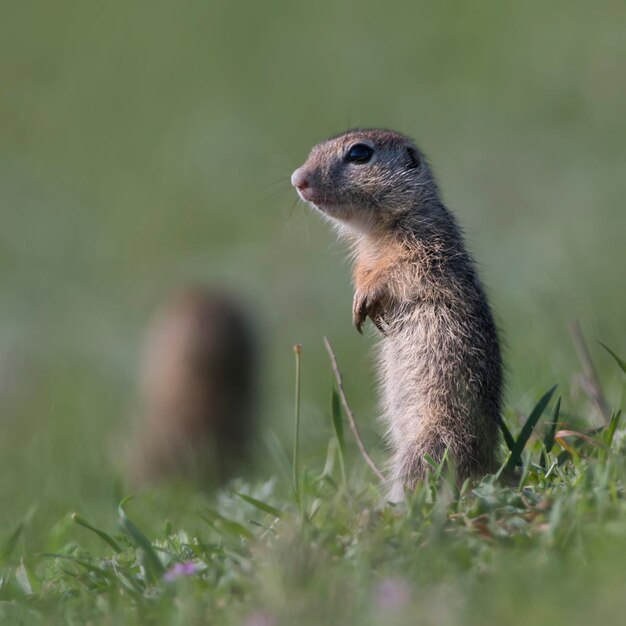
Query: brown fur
[
  {"x": 197, "y": 389},
  {"x": 439, "y": 358}
]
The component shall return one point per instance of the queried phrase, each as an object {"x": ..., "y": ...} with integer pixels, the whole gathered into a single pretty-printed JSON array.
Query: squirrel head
[{"x": 367, "y": 180}]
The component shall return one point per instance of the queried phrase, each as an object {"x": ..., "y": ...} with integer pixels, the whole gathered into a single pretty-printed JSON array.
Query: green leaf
[
  {"x": 259, "y": 505},
  {"x": 104, "y": 536},
  {"x": 618, "y": 360},
  {"x": 152, "y": 563},
  {"x": 527, "y": 429}
]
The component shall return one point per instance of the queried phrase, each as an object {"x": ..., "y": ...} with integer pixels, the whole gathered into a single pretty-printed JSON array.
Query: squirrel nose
[{"x": 299, "y": 179}]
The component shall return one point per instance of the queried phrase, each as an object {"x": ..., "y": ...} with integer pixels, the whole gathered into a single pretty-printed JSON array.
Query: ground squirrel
[
  {"x": 197, "y": 389},
  {"x": 439, "y": 358}
]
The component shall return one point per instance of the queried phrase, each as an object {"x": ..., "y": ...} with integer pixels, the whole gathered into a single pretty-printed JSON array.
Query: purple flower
[
  {"x": 181, "y": 569},
  {"x": 260, "y": 618},
  {"x": 392, "y": 594}
]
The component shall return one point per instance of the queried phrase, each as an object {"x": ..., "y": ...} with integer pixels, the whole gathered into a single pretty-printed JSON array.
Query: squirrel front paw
[{"x": 368, "y": 304}]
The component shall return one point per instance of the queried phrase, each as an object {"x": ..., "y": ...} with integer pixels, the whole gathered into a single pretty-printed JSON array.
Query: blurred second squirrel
[{"x": 197, "y": 390}]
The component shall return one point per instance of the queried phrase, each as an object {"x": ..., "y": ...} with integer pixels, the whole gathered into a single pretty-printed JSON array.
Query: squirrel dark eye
[{"x": 359, "y": 153}]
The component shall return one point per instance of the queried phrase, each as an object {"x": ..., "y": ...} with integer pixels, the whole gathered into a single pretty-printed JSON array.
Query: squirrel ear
[{"x": 414, "y": 157}]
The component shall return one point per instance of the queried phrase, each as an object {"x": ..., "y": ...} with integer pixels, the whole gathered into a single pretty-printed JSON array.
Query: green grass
[{"x": 543, "y": 539}]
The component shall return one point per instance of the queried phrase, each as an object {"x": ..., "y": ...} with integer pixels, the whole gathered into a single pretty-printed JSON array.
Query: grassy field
[
  {"x": 148, "y": 145},
  {"x": 544, "y": 540}
]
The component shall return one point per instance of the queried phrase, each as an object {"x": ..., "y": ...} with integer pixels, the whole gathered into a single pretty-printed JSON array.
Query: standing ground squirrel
[{"x": 439, "y": 359}]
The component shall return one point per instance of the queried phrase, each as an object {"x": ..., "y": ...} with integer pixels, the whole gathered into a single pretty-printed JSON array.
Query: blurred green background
[{"x": 144, "y": 145}]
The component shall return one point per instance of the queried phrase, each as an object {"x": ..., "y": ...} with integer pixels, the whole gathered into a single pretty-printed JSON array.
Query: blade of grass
[
  {"x": 339, "y": 434},
  {"x": 524, "y": 476},
  {"x": 438, "y": 466},
  {"x": 574, "y": 433},
  {"x": 329, "y": 464},
  {"x": 506, "y": 433},
  {"x": 503, "y": 467},
  {"x": 131, "y": 584},
  {"x": 221, "y": 523},
  {"x": 262, "y": 506},
  {"x": 90, "y": 567},
  {"x": 527, "y": 429},
  {"x": 153, "y": 565},
  {"x": 281, "y": 460},
  {"x": 10, "y": 543},
  {"x": 590, "y": 383},
  {"x": 548, "y": 441},
  {"x": 81, "y": 521},
  {"x": 337, "y": 420},
  {"x": 23, "y": 580},
  {"x": 296, "y": 433},
  {"x": 568, "y": 450},
  {"x": 348, "y": 412},
  {"x": 616, "y": 418},
  {"x": 429, "y": 459},
  {"x": 27, "y": 580},
  {"x": 618, "y": 360}
]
